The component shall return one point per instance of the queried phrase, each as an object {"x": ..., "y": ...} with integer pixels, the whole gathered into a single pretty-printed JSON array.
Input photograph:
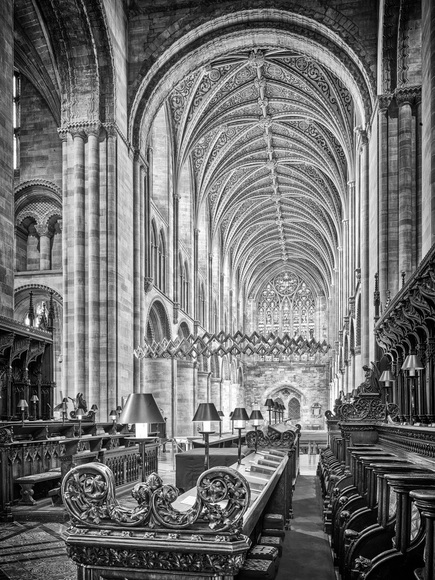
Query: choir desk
[{"x": 190, "y": 464}]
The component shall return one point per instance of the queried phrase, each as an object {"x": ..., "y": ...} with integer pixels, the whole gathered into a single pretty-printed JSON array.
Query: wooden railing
[{"x": 26, "y": 450}]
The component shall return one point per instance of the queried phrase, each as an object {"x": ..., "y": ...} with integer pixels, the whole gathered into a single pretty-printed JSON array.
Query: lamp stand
[
  {"x": 270, "y": 416},
  {"x": 239, "y": 454},
  {"x": 256, "y": 437},
  {"x": 22, "y": 416},
  {"x": 207, "y": 448}
]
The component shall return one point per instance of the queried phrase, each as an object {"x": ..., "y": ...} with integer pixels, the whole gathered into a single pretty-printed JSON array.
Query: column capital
[
  {"x": 42, "y": 230},
  {"x": 408, "y": 95},
  {"x": 384, "y": 102}
]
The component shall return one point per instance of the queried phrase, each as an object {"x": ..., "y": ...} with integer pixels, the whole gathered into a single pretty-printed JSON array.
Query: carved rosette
[{"x": 155, "y": 535}]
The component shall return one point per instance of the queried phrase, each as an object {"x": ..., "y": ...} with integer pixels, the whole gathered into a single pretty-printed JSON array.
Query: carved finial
[{"x": 403, "y": 278}]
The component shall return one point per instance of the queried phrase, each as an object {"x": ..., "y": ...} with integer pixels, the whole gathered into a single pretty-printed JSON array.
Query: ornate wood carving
[{"x": 155, "y": 535}]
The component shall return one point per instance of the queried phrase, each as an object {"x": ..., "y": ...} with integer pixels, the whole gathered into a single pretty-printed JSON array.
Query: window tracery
[{"x": 286, "y": 305}]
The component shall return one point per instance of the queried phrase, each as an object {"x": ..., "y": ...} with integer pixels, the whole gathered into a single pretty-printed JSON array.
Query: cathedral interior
[{"x": 231, "y": 206}]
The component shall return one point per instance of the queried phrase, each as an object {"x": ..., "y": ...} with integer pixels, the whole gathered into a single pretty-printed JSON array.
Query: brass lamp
[
  {"x": 140, "y": 409},
  {"x": 22, "y": 404},
  {"x": 35, "y": 400},
  {"x": 221, "y": 414},
  {"x": 411, "y": 364},
  {"x": 269, "y": 404},
  {"x": 387, "y": 378},
  {"x": 79, "y": 416},
  {"x": 205, "y": 414},
  {"x": 113, "y": 415},
  {"x": 239, "y": 418},
  {"x": 256, "y": 418}
]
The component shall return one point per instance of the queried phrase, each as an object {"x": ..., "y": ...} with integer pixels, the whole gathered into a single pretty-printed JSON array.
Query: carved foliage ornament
[{"x": 88, "y": 492}]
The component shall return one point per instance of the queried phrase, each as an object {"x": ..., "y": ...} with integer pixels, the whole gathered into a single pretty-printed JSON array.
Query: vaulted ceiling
[{"x": 270, "y": 134}]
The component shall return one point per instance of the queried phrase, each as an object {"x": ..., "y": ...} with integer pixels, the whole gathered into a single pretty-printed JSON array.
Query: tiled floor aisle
[{"x": 36, "y": 551}]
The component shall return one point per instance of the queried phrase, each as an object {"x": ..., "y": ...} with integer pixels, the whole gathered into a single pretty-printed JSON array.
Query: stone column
[
  {"x": 6, "y": 160},
  {"x": 428, "y": 129},
  {"x": 365, "y": 245},
  {"x": 147, "y": 227},
  {"x": 221, "y": 304},
  {"x": 175, "y": 262},
  {"x": 142, "y": 275},
  {"x": 352, "y": 235},
  {"x": 78, "y": 270},
  {"x": 93, "y": 263},
  {"x": 111, "y": 306},
  {"x": 137, "y": 274},
  {"x": 44, "y": 246},
  {"x": 195, "y": 279},
  {"x": 404, "y": 99},
  {"x": 210, "y": 295},
  {"x": 384, "y": 103}
]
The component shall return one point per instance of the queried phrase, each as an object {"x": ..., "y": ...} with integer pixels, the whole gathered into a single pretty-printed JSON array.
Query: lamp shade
[
  {"x": 269, "y": 403},
  {"x": 206, "y": 412},
  {"x": 256, "y": 414},
  {"x": 113, "y": 414},
  {"x": 256, "y": 417},
  {"x": 140, "y": 408},
  {"x": 34, "y": 398},
  {"x": 386, "y": 377},
  {"x": 22, "y": 404},
  {"x": 240, "y": 414},
  {"x": 412, "y": 363}
]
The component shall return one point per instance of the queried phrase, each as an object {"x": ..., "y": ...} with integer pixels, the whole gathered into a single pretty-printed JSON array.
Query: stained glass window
[{"x": 286, "y": 305}]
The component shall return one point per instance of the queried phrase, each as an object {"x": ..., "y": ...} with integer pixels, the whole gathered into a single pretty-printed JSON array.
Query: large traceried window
[{"x": 286, "y": 305}]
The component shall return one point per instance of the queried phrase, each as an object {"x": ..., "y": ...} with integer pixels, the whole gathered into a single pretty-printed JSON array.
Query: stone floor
[{"x": 35, "y": 550}]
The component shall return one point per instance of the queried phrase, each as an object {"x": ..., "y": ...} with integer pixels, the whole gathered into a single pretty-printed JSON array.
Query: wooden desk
[
  {"x": 190, "y": 464},
  {"x": 204, "y": 534},
  {"x": 228, "y": 440}
]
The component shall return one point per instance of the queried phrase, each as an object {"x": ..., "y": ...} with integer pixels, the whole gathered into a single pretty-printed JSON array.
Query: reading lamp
[
  {"x": 269, "y": 404},
  {"x": 205, "y": 414},
  {"x": 256, "y": 418},
  {"x": 22, "y": 404},
  {"x": 140, "y": 409},
  {"x": 239, "y": 418},
  {"x": 221, "y": 414}
]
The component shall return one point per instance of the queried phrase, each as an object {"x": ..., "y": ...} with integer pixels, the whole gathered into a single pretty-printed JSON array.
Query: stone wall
[{"x": 306, "y": 382}]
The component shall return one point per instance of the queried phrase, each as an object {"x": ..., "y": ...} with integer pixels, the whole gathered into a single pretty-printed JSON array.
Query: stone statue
[{"x": 371, "y": 383}]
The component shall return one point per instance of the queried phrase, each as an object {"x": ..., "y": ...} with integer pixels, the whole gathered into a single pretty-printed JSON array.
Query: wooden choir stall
[
  {"x": 378, "y": 482},
  {"x": 215, "y": 530}
]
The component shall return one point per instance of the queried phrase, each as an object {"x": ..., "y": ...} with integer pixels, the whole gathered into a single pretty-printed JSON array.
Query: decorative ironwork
[{"x": 222, "y": 344}]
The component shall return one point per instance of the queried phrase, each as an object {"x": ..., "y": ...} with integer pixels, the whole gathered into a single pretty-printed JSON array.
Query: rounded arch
[
  {"x": 183, "y": 330},
  {"x": 158, "y": 326}
]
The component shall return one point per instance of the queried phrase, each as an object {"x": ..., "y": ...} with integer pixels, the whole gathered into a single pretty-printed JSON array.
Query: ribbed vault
[{"x": 269, "y": 134}]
